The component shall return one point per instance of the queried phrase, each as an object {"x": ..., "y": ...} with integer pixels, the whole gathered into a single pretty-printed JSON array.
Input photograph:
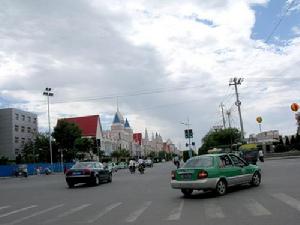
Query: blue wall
[{"x": 9, "y": 170}]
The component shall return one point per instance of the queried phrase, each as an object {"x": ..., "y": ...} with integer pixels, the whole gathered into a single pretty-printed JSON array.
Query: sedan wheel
[
  {"x": 256, "y": 179},
  {"x": 97, "y": 181},
  {"x": 70, "y": 184},
  {"x": 187, "y": 192},
  {"x": 109, "y": 180},
  {"x": 221, "y": 187}
]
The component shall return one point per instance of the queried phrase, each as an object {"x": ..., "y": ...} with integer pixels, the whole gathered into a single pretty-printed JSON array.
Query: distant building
[
  {"x": 90, "y": 127},
  {"x": 266, "y": 139},
  {"x": 17, "y": 127}
]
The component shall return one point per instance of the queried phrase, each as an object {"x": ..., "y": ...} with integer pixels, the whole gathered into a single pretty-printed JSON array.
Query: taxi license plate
[{"x": 186, "y": 176}]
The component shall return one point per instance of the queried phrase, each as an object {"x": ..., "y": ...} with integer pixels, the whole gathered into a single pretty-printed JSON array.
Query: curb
[{"x": 283, "y": 157}]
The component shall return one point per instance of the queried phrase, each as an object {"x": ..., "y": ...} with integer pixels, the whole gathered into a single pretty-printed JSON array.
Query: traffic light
[{"x": 188, "y": 133}]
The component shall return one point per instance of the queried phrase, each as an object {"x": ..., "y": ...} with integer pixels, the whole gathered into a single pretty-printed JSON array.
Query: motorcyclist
[
  {"x": 132, "y": 166},
  {"x": 141, "y": 165},
  {"x": 176, "y": 161}
]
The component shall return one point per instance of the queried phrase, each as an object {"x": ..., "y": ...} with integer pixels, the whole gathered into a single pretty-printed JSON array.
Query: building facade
[{"x": 17, "y": 127}]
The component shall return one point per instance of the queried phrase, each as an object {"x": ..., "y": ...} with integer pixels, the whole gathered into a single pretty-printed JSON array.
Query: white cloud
[{"x": 106, "y": 48}]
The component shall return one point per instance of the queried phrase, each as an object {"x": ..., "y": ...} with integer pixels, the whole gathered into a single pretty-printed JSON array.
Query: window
[
  {"x": 225, "y": 161},
  {"x": 23, "y": 141},
  {"x": 237, "y": 161},
  {"x": 29, "y": 139},
  {"x": 17, "y": 151},
  {"x": 28, "y": 129},
  {"x": 29, "y": 119},
  {"x": 34, "y": 120},
  {"x": 199, "y": 162},
  {"x": 34, "y": 130},
  {"x": 17, "y": 116},
  {"x": 22, "y": 129},
  {"x": 16, "y": 128},
  {"x": 23, "y": 117},
  {"x": 16, "y": 139}
]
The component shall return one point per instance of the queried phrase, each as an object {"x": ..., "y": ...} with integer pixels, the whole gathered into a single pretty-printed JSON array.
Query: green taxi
[{"x": 214, "y": 172}]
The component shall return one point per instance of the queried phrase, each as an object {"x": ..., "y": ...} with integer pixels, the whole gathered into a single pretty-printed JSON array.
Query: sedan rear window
[
  {"x": 199, "y": 162},
  {"x": 83, "y": 165}
]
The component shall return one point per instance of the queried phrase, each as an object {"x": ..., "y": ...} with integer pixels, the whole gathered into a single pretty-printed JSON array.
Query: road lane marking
[
  {"x": 288, "y": 200},
  {"x": 176, "y": 213},
  {"x": 73, "y": 210},
  {"x": 212, "y": 210},
  {"x": 34, "y": 214},
  {"x": 67, "y": 213},
  {"x": 136, "y": 214},
  {"x": 256, "y": 208},
  {"x": 5, "y": 207},
  {"x": 105, "y": 211},
  {"x": 17, "y": 211}
]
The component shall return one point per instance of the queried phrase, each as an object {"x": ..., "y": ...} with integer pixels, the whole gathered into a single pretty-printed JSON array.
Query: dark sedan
[{"x": 92, "y": 173}]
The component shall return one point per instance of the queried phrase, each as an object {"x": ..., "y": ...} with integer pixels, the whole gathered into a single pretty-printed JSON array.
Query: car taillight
[
  {"x": 173, "y": 175},
  {"x": 69, "y": 172},
  {"x": 86, "y": 172},
  {"x": 202, "y": 174}
]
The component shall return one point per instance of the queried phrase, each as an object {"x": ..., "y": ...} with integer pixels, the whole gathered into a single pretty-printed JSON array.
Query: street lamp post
[{"x": 48, "y": 93}]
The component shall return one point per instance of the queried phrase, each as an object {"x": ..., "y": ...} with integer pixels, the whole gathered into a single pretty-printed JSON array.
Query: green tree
[
  {"x": 37, "y": 150},
  {"x": 65, "y": 134},
  {"x": 83, "y": 146},
  {"x": 217, "y": 138},
  {"x": 120, "y": 153},
  {"x": 287, "y": 141},
  {"x": 162, "y": 154},
  {"x": 4, "y": 160}
]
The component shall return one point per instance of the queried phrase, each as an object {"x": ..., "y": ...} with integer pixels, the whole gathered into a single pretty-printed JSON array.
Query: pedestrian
[{"x": 261, "y": 155}]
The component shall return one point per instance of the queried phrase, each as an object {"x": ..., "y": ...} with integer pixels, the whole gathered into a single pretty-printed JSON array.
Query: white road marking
[
  {"x": 136, "y": 214},
  {"x": 176, "y": 213},
  {"x": 105, "y": 211},
  {"x": 288, "y": 200},
  {"x": 67, "y": 213},
  {"x": 34, "y": 214},
  {"x": 212, "y": 210},
  {"x": 256, "y": 208},
  {"x": 73, "y": 210},
  {"x": 4, "y": 207},
  {"x": 17, "y": 211}
]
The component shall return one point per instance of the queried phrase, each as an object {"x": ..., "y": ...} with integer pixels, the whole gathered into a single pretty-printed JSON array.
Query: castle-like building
[{"x": 120, "y": 136}]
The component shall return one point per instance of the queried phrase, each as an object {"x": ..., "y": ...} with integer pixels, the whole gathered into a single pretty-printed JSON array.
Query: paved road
[{"x": 147, "y": 199}]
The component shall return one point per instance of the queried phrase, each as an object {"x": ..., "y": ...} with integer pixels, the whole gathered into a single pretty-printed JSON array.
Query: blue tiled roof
[
  {"x": 127, "y": 124},
  {"x": 116, "y": 119}
]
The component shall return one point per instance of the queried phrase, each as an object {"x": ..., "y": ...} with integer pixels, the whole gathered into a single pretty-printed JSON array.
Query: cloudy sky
[{"x": 167, "y": 60}]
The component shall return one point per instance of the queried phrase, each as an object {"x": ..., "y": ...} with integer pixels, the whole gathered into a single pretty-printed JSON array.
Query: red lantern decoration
[
  {"x": 259, "y": 119},
  {"x": 294, "y": 107}
]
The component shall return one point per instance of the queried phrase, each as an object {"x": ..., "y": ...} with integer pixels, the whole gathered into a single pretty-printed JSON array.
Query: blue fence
[{"x": 9, "y": 170}]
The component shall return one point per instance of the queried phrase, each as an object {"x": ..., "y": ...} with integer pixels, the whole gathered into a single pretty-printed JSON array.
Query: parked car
[
  {"x": 122, "y": 165},
  {"x": 88, "y": 172},
  {"x": 113, "y": 167},
  {"x": 214, "y": 172},
  {"x": 148, "y": 163}
]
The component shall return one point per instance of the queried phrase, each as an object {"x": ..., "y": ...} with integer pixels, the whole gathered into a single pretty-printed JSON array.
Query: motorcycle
[
  {"x": 21, "y": 171},
  {"x": 141, "y": 168}
]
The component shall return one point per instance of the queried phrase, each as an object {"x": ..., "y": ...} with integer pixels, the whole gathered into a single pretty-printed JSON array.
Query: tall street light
[{"x": 48, "y": 93}]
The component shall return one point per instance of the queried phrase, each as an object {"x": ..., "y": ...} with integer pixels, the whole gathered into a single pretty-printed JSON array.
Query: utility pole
[
  {"x": 228, "y": 113},
  {"x": 222, "y": 108},
  {"x": 237, "y": 81},
  {"x": 48, "y": 93},
  {"x": 189, "y": 136}
]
